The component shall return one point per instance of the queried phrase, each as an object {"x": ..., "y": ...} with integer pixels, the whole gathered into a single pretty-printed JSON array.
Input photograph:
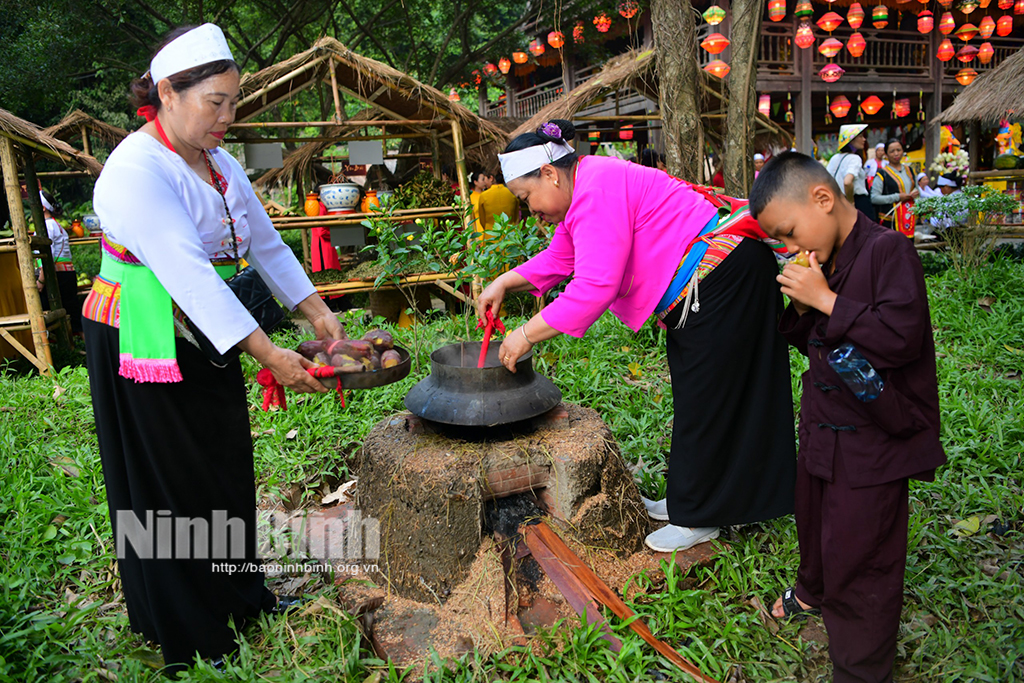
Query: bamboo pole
[
  {"x": 48, "y": 151},
  {"x": 331, "y": 124},
  {"x": 344, "y": 138},
  {"x": 625, "y": 117},
  {"x": 435, "y": 154},
  {"x": 9, "y": 165},
  {"x": 334, "y": 91},
  {"x": 265, "y": 90},
  {"x": 460, "y": 171},
  {"x": 85, "y": 139},
  {"x": 46, "y": 255}
]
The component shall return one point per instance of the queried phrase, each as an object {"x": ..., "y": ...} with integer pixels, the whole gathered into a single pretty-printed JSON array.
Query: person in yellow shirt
[
  {"x": 494, "y": 201},
  {"x": 480, "y": 181}
]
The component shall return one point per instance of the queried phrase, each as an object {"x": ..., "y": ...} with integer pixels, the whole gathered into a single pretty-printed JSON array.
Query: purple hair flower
[{"x": 551, "y": 130}]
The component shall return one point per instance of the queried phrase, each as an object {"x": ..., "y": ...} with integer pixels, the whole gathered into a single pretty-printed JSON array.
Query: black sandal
[{"x": 791, "y": 606}]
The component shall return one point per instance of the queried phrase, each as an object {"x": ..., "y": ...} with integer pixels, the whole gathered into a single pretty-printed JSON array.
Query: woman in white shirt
[
  {"x": 847, "y": 167},
  {"x": 60, "y": 249},
  {"x": 173, "y": 428}
]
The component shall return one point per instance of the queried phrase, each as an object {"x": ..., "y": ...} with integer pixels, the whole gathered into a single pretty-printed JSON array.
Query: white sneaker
[
  {"x": 673, "y": 537},
  {"x": 656, "y": 509}
]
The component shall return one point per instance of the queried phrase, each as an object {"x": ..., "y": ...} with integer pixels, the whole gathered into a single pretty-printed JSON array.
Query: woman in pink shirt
[{"x": 638, "y": 242}]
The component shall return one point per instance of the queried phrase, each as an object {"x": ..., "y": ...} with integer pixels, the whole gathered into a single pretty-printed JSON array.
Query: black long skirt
[
  {"x": 179, "y": 451},
  {"x": 733, "y": 456}
]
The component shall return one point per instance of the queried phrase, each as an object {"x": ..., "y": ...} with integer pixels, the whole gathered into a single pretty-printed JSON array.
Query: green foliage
[
  {"x": 422, "y": 192},
  {"x": 503, "y": 246},
  {"x": 966, "y": 204}
]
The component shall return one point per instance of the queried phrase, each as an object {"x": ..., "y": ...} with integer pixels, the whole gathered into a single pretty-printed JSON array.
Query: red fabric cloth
[{"x": 324, "y": 255}]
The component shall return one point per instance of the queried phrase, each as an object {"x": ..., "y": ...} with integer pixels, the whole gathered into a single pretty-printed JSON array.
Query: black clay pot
[{"x": 459, "y": 393}]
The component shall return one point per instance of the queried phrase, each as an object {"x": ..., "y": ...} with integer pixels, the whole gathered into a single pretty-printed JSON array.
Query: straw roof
[
  {"x": 995, "y": 95},
  {"x": 638, "y": 70},
  {"x": 28, "y": 133},
  {"x": 70, "y": 128},
  {"x": 395, "y": 94}
]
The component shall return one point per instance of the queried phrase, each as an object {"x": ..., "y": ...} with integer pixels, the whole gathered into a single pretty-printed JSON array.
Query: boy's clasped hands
[{"x": 807, "y": 287}]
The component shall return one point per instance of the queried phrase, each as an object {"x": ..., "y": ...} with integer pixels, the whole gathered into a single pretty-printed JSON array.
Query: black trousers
[
  {"x": 853, "y": 554},
  {"x": 179, "y": 451},
  {"x": 733, "y": 456},
  {"x": 67, "y": 284}
]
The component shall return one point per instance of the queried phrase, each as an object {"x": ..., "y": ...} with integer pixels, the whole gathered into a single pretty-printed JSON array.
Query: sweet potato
[
  {"x": 381, "y": 340},
  {"x": 375, "y": 360},
  {"x": 309, "y": 349},
  {"x": 346, "y": 363},
  {"x": 390, "y": 358},
  {"x": 321, "y": 359},
  {"x": 356, "y": 348}
]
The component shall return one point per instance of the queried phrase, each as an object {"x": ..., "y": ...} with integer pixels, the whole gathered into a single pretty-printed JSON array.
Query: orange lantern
[
  {"x": 537, "y": 48},
  {"x": 776, "y": 10},
  {"x": 966, "y": 32},
  {"x": 831, "y": 21},
  {"x": 1005, "y": 4},
  {"x": 520, "y": 57},
  {"x": 1004, "y": 26},
  {"x": 504, "y": 65},
  {"x": 855, "y": 15},
  {"x": 946, "y": 3},
  {"x": 987, "y": 27},
  {"x": 830, "y": 48},
  {"x": 925, "y": 21},
  {"x": 453, "y": 95},
  {"x": 715, "y": 43},
  {"x": 967, "y": 53},
  {"x": 985, "y": 53},
  {"x": 946, "y": 51},
  {"x": 946, "y": 23},
  {"x": 717, "y": 68},
  {"x": 856, "y": 44},
  {"x": 577, "y": 33},
  {"x": 830, "y": 73},
  {"x": 872, "y": 105},
  {"x": 840, "y": 106},
  {"x": 490, "y": 69},
  {"x": 1018, "y": 7},
  {"x": 880, "y": 16},
  {"x": 714, "y": 15},
  {"x": 764, "y": 104},
  {"x": 602, "y": 22},
  {"x": 966, "y": 76},
  {"x": 556, "y": 39},
  {"x": 985, "y": 4},
  {"x": 901, "y": 107},
  {"x": 628, "y": 8},
  {"x": 804, "y": 36}
]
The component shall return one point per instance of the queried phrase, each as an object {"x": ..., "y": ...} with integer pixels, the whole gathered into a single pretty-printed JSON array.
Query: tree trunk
[
  {"x": 679, "y": 78},
  {"x": 739, "y": 121}
]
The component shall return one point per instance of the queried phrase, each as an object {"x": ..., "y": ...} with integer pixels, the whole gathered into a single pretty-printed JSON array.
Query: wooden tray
[{"x": 369, "y": 380}]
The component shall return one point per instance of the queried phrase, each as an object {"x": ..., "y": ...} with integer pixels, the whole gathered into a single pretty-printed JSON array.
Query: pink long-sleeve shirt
[{"x": 623, "y": 237}]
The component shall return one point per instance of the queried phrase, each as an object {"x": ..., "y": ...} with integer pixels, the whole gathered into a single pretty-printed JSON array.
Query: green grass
[{"x": 61, "y": 618}]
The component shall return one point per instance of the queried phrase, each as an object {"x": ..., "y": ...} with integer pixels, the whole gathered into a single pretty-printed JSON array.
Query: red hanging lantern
[
  {"x": 715, "y": 43},
  {"x": 520, "y": 57},
  {"x": 830, "y": 48},
  {"x": 901, "y": 107},
  {"x": 856, "y": 45},
  {"x": 717, "y": 68},
  {"x": 946, "y": 3},
  {"x": 925, "y": 21},
  {"x": 967, "y": 53},
  {"x": 985, "y": 53},
  {"x": 556, "y": 39},
  {"x": 986, "y": 27},
  {"x": 603, "y": 22},
  {"x": 1005, "y": 4},
  {"x": 1018, "y": 7},
  {"x": 880, "y": 16},
  {"x": 804, "y": 36},
  {"x": 855, "y": 15},
  {"x": 804, "y": 10},
  {"x": 830, "y": 73},
  {"x": 872, "y": 105},
  {"x": 453, "y": 95},
  {"x": 504, "y": 65},
  {"x": 966, "y": 32},
  {"x": 831, "y": 21},
  {"x": 764, "y": 104},
  {"x": 840, "y": 106},
  {"x": 490, "y": 69},
  {"x": 966, "y": 76},
  {"x": 626, "y": 132},
  {"x": 1004, "y": 26},
  {"x": 946, "y": 23},
  {"x": 628, "y": 8},
  {"x": 946, "y": 51},
  {"x": 577, "y": 33},
  {"x": 714, "y": 15},
  {"x": 776, "y": 10},
  {"x": 537, "y": 48}
]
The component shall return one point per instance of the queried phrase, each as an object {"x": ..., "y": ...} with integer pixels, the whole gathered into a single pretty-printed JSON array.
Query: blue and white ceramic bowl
[
  {"x": 339, "y": 196},
  {"x": 91, "y": 223}
]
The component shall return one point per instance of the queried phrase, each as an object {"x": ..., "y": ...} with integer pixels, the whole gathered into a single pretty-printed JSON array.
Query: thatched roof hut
[
  {"x": 637, "y": 70},
  {"x": 32, "y": 136},
  {"x": 78, "y": 125},
  {"x": 995, "y": 95},
  {"x": 391, "y": 94}
]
